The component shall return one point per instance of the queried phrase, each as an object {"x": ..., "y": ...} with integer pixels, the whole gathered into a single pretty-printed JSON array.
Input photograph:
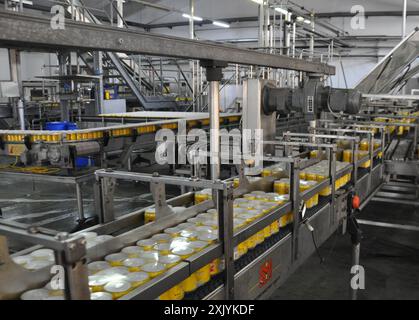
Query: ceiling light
[
  {"x": 30, "y": 3},
  {"x": 221, "y": 24},
  {"x": 300, "y": 19},
  {"x": 306, "y": 21},
  {"x": 188, "y": 16},
  {"x": 258, "y": 1},
  {"x": 281, "y": 10}
]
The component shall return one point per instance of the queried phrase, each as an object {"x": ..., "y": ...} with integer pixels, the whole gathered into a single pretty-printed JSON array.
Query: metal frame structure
[{"x": 287, "y": 252}]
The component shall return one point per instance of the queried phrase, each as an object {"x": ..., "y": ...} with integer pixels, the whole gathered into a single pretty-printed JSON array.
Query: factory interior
[{"x": 182, "y": 150}]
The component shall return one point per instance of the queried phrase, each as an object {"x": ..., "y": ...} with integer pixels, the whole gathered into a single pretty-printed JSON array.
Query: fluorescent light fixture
[
  {"x": 221, "y": 24},
  {"x": 188, "y": 16},
  {"x": 281, "y": 10},
  {"x": 257, "y": 1},
  {"x": 306, "y": 21},
  {"x": 27, "y": 2},
  {"x": 300, "y": 19}
]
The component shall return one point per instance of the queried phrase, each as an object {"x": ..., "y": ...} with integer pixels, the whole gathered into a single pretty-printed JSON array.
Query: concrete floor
[{"x": 390, "y": 258}]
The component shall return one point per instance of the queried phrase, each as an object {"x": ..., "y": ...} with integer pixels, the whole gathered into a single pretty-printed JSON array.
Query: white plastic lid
[
  {"x": 42, "y": 254},
  {"x": 162, "y": 246},
  {"x": 198, "y": 244},
  {"x": 36, "y": 294},
  {"x": 169, "y": 259},
  {"x": 154, "y": 267},
  {"x": 161, "y": 237},
  {"x": 146, "y": 243},
  {"x": 98, "y": 266},
  {"x": 183, "y": 251},
  {"x": 132, "y": 250},
  {"x": 103, "y": 238},
  {"x": 22, "y": 260},
  {"x": 188, "y": 234},
  {"x": 98, "y": 280},
  {"x": 38, "y": 264},
  {"x": 138, "y": 276},
  {"x": 207, "y": 236},
  {"x": 88, "y": 235},
  {"x": 173, "y": 230},
  {"x": 113, "y": 271},
  {"x": 134, "y": 262},
  {"x": 116, "y": 257},
  {"x": 100, "y": 296},
  {"x": 117, "y": 286},
  {"x": 150, "y": 256}
]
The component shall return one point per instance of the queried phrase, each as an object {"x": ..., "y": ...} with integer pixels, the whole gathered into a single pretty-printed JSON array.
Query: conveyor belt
[
  {"x": 240, "y": 264},
  {"x": 402, "y": 150}
]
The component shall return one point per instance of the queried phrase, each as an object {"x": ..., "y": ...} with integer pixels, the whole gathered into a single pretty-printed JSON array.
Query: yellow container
[
  {"x": 283, "y": 221},
  {"x": 190, "y": 284},
  {"x": 133, "y": 251},
  {"x": 203, "y": 275},
  {"x": 364, "y": 145},
  {"x": 161, "y": 238},
  {"x": 118, "y": 288},
  {"x": 275, "y": 227},
  {"x": 209, "y": 237},
  {"x": 173, "y": 232},
  {"x": 183, "y": 252},
  {"x": 154, "y": 269},
  {"x": 215, "y": 267},
  {"x": 146, "y": 244},
  {"x": 266, "y": 173},
  {"x": 282, "y": 186},
  {"x": 101, "y": 296},
  {"x": 97, "y": 266},
  {"x": 326, "y": 191},
  {"x": 137, "y": 279},
  {"x": 260, "y": 237},
  {"x": 175, "y": 294},
  {"x": 302, "y": 175},
  {"x": 163, "y": 248},
  {"x": 198, "y": 246},
  {"x": 170, "y": 260},
  {"x": 267, "y": 232},
  {"x": 311, "y": 176},
  {"x": 348, "y": 156},
  {"x": 242, "y": 248},
  {"x": 307, "y": 185},
  {"x": 149, "y": 215},
  {"x": 97, "y": 282},
  {"x": 116, "y": 259},
  {"x": 201, "y": 196},
  {"x": 251, "y": 242},
  {"x": 134, "y": 264}
]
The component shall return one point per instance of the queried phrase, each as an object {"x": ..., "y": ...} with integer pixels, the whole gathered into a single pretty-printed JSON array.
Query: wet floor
[{"x": 390, "y": 258}]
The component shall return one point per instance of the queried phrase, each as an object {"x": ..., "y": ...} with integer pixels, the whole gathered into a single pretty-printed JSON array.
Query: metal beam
[{"x": 35, "y": 32}]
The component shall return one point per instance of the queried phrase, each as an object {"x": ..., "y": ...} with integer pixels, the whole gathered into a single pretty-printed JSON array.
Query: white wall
[
  {"x": 4, "y": 65},
  {"x": 36, "y": 64}
]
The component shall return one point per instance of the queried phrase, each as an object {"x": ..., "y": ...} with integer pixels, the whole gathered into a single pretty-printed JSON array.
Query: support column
[
  {"x": 98, "y": 69},
  {"x": 120, "y": 8},
  {"x": 64, "y": 103},
  {"x": 214, "y": 76}
]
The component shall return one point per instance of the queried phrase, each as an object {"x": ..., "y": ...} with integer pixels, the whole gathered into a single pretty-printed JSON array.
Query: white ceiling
[{"x": 218, "y": 9}]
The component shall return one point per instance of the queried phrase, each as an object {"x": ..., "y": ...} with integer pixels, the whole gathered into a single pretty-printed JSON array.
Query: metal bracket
[
  {"x": 158, "y": 190},
  {"x": 243, "y": 181},
  {"x": 107, "y": 191}
]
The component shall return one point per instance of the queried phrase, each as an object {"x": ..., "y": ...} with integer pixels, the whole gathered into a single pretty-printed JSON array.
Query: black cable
[{"x": 317, "y": 248}]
